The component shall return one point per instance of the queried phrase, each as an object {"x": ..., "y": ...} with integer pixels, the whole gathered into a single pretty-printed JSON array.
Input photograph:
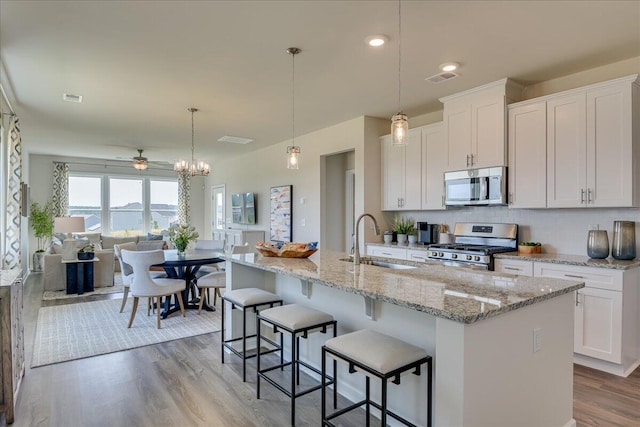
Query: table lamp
[{"x": 68, "y": 224}]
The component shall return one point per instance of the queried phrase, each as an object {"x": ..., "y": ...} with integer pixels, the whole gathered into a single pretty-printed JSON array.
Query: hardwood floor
[{"x": 183, "y": 383}]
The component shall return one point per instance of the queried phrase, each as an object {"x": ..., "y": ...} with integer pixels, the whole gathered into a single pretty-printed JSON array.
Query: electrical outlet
[
  {"x": 303, "y": 222},
  {"x": 537, "y": 340}
]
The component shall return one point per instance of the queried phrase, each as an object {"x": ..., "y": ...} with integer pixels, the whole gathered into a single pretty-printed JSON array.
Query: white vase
[
  {"x": 402, "y": 239},
  {"x": 412, "y": 239},
  {"x": 388, "y": 238}
]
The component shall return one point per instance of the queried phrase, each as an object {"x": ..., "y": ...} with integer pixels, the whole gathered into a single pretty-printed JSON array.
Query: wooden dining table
[{"x": 185, "y": 266}]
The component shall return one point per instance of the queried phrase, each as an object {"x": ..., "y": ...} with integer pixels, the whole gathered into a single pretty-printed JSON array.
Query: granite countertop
[
  {"x": 459, "y": 294},
  {"x": 7, "y": 277},
  {"x": 579, "y": 260}
]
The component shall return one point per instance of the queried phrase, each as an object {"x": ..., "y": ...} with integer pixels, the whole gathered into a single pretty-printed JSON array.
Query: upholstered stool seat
[
  {"x": 378, "y": 355},
  {"x": 298, "y": 321},
  {"x": 248, "y": 299}
]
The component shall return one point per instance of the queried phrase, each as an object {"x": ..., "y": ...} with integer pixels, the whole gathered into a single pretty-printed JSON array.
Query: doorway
[
  {"x": 337, "y": 201},
  {"x": 218, "y": 212}
]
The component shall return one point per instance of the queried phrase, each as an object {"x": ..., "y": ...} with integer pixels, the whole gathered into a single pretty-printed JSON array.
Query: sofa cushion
[
  {"x": 151, "y": 245},
  {"x": 151, "y": 236},
  {"x": 109, "y": 241}
]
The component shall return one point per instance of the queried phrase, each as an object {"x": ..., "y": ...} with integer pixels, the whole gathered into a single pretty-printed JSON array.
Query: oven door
[{"x": 462, "y": 189}]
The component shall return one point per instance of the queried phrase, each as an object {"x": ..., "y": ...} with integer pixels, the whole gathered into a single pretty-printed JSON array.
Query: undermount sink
[{"x": 383, "y": 264}]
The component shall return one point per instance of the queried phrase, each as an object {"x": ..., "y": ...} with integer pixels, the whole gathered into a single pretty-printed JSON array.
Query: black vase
[{"x": 85, "y": 256}]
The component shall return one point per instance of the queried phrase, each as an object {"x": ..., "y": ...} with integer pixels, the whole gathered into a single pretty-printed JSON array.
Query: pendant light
[
  {"x": 293, "y": 151},
  {"x": 400, "y": 121},
  {"x": 194, "y": 167}
]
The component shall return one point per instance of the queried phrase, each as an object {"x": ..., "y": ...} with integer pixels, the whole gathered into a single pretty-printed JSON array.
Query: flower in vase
[{"x": 181, "y": 234}]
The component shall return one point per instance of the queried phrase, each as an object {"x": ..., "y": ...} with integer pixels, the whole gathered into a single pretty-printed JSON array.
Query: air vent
[
  {"x": 439, "y": 78},
  {"x": 235, "y": 139},
  {"x": 71, "y": 98}
]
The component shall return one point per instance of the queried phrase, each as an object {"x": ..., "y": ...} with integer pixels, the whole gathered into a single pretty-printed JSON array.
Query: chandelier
[{"x": 194, "y": 167}]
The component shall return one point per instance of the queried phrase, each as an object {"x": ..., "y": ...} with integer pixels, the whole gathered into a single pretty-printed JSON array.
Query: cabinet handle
[
  {"x": 386, "y": 253},
  {"x": 577, "y": 298},
  {"x": 582, "y": 195},
  {"x": 472, "y": 160},
  {"x": 589, "y": 196},
  {"x": 574, "y": 276},
  {"x": 467, "y": 160},
  {"x": 510, "y": 198},
  {"x": 512, "y": 268}
]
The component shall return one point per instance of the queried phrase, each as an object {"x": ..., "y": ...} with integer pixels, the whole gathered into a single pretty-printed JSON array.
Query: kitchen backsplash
[{"x": 559, "y": 230}]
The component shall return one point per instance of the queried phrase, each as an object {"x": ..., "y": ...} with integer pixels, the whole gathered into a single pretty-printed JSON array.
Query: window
[
  {"x": 123, "y": 205},
  {"x": 85, "y": 199}
]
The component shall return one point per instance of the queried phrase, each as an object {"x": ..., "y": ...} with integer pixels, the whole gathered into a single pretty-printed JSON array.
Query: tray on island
[{"x": 287, "y": 250}]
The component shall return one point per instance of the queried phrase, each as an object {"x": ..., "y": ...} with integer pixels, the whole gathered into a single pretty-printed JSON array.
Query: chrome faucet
[{"x": 356, "y": 252}]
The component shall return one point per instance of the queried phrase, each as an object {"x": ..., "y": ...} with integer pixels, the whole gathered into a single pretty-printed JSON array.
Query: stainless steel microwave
[{"x": 486, "y": 186}]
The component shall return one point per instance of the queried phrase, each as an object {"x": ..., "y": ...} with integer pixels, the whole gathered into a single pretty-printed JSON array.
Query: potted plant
[
  {"x": 403, "y": 226},
  {"x": 388, "y": 237},
  {"x": 87, "y": 252},
  {"x": 412, "y": 236},
  {"x": 181, "y": 235},
  {"x": 42, "y": 224}
]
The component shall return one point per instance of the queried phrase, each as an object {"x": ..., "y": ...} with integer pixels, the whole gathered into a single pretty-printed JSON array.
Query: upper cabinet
[
  {"x": 412, "y": 175},
  {"x": 582, "y": 141},
  {"x": 475, "y": 125}
]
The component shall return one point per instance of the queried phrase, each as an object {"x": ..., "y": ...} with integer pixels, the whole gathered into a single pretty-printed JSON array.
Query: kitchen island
[{"x": 502, "y": 344}]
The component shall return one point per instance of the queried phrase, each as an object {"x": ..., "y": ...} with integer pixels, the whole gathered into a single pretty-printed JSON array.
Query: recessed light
[
  {"x": 449, "y": 66},
  {"x": 376, "y": 40},
  {"x": 71, "y": 98}
]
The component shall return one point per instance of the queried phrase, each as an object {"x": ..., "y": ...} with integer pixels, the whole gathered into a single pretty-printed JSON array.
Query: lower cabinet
[
  {"x": 598, "y": 324},
  {"x": 387, "y": 252},
  {"x": 513, "y": 266},
  {"x": 238, "y": 237},
  {"x": 12, "y": 341}
]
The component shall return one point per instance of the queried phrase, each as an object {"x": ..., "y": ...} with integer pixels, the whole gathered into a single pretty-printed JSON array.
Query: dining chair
[
  {"x": 209, "y": 245},
  {"x": 217, "y": 279},
  {"x": 125, "y": 269},
  {"x": 143, "y": 285}
]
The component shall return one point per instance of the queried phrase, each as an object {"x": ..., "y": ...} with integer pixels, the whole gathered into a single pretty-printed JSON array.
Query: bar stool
[
  {"x": 298, "y": 321},
  {"x": 246, "y": 299},
  {"x": 376, "y": 355}
]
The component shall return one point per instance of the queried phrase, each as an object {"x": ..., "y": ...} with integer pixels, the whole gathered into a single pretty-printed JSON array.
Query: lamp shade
[{"x": 68, "y": 224}]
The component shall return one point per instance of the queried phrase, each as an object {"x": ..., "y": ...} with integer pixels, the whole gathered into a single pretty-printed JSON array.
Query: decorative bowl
[
  {"x": 529, "y": 249},
  {"x": 287, "y": 250}
]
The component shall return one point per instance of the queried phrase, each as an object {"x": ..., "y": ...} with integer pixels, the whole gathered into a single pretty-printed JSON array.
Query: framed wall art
[{"x": 280, "y": 203}]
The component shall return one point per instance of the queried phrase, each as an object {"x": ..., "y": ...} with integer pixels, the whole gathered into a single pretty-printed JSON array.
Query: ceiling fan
[{"x": 140, "y": 162}]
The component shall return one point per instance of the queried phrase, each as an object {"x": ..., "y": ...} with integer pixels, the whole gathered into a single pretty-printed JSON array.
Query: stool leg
[
  {"x": 296, "y": 359},
  {"x": 293, "y": 379},
  {"x": 367, "y": 396},
  {"x": 258, "y": 358},
  {"x": 222, "y": 338},
  {"x": 244, "y": 345},
  {"x": 323, "y": 379},
  {"x": 335, "y": 375},
  {"x": 383, "y": 413},
  {"x": 281, "y": 351},
  {"x": 429, "y": 396}
]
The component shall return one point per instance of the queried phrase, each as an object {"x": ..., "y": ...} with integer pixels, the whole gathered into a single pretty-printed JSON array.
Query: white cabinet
[
  {"x": 434, "y": 151},
  {"x": 514, "y": 266},
  {"x": 475, "y": 125},
  {"x": 528, "y": 156},
  {"x": 417, "y": 255},
  {"x": 240, "y": 237},
  {"x": 606, "y": 315},
  {"x": 590, "y": 147},
  {"x": 387, "y": 251},
  {"x": 402, "y": 173}
]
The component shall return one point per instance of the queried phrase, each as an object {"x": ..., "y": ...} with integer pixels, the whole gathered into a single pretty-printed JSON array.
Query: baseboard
[
  {"x": 571, "y": 423},
  {"x": 601, "y": 365}
]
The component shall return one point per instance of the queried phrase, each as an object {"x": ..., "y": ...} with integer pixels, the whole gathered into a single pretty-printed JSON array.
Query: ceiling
[{"x": 140, "y": 65}]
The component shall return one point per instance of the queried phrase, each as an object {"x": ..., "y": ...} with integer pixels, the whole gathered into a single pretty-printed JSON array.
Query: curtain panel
[
  {"x": 13, "y": 217},
  {"x": 184, "y": 198},
  {"x": 60, "y": 195}
]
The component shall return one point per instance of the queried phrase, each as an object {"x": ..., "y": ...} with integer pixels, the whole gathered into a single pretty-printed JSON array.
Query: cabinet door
[
  {"x": 434, "y": 155},
  {"x": 488, "y": 143},
  {"x": 598, "y": 324},
  {"x": 609, "y": 147},
  {"x": 566, "y": 152},
  {"x": 528, "y": 156},
  {"x": 412, "y": 188},
  {"x": 392, "y": 174},
  {"x": 457, "y": 133},
  {"x": 514, "y": 266},
  {"x": 417, "y": 255},
  {"x": 387, "y": 252}
]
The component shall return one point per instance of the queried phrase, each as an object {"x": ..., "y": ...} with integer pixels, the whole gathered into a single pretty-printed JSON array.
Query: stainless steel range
[{"x": 475, "y": 244}]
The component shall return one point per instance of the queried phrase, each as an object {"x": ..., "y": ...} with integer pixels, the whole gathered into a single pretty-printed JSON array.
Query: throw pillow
[
  {"x": 151, "y": 245},
  {"x": 151, "y": 236}
]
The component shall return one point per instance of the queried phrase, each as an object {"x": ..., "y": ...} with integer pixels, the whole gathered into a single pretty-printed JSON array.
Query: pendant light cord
[
  {"x": 293, "y": 99},
  {"x": 399, "y": 52},
  {"x": 192, "y": 138}
]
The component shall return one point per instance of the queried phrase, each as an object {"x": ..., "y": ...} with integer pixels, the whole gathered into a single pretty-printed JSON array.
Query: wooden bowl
[{"x": 529, "y": 249}]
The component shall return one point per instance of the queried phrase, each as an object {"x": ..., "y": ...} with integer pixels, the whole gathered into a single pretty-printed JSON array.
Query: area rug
[
  {"x": 75, "y": 331},
  {"x": 116, "y": 288}
]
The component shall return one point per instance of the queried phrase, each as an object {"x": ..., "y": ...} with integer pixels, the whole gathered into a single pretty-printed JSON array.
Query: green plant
[
  {"x": 88, "y": 248},
  {"x": 403, "y": 225},
  {"x": 42, "y": 223},
  {"x": 181, "y": 234}
]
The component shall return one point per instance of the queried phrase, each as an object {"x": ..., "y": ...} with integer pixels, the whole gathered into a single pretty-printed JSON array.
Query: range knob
[
  {"x": 454, "y": 256},
  {"x": 440, "y": 254},
  {"x": 469, "y": 257},
  {"x": 476, "y": 258},
  {"x": 434, "y": 253}
]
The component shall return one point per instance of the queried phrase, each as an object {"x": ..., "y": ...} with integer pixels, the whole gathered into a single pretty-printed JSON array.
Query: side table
[{"x": 79, "y": 275}]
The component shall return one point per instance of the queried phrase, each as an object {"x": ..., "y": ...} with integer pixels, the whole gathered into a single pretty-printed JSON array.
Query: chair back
[
  {"x": 210, "y": 245},
  {"x": 142, "y": 284},
  {"x": 242, "y": 249},
  {"x": 125, "y": 268}
]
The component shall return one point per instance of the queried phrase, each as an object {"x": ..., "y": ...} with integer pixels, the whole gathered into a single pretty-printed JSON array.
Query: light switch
[{"x": 303, "y": 222}]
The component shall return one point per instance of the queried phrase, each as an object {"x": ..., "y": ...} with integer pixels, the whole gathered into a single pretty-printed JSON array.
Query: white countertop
[
  {"x": 579, "y": 260},
  {"x": 459, "y": 294}
]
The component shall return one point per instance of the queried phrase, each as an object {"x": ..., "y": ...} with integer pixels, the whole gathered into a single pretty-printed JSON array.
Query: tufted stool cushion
[
  {"x": 294, "y": 316},
  {"x": 375, "y": 350}
]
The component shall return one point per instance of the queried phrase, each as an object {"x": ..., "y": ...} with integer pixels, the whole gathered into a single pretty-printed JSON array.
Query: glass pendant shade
[
  {"x": 399, "y": 129},
  {"x": 293, "y": 152},
  {"x": 140, "y": 165}
]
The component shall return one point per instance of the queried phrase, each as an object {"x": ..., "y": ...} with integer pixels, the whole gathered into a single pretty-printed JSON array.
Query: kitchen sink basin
[{"x": 383, "y": 264}]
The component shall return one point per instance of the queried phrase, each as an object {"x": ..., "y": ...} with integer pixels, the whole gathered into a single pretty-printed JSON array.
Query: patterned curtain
[
  {"x": 12, "y": 232},
  {"x": 60, "y": 189},
  {"x": 184, "y": 198}
]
